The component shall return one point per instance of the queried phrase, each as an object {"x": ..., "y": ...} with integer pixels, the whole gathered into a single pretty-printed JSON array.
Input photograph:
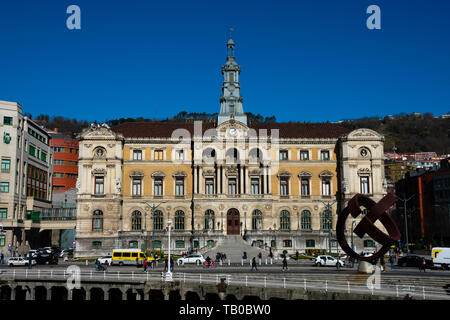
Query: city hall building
[{"x": 278, "y": 185}]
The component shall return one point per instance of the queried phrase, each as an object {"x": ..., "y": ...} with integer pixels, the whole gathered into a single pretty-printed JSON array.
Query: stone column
[
  {"x": 69, "y": 294},
  {"x": 241, "y": 180},
  {"x": 195, "y": 179},
  {"x": 49, "y": 293},
  {"x": 88, "y": 293},
  {"x": 200, "y": 181},
  {"x": 222, "y": 180},
  {"x": 269, "y": 179}
]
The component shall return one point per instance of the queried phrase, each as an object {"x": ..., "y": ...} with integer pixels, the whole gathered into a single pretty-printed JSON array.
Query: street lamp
[
  {"x": 169, "y": 273},
  {"x": 328, "y": 206},
  {"x": 406, "y": 220},
  {"x": 153, "y": 208},
  {"x": 353, "y": 223}
]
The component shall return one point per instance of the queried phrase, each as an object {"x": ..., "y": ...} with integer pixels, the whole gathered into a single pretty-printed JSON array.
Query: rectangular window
[
  {"x": 209, "y": 186},
  {"x": 179, "y": 186},
  {"x": 137, "y": 155},
  {"x": 96, "y": 244},
  {"x": 4, "y": 187},
  {"x": 255, "y": 185},
  {"x": 6, "y": 165},
  {"x": 304, "y": 155},
  {"x": 43, "y": 156},
  {"x": 365, "y": 185},
  {"x": 32, "y": 150},
  {"x": 8, "y": 121},
  {"x": 232, "y": 186},
  {"x": 283, "y": 154},
  {"x": 326, "y": 187},
  {"x": 159, "y": 155},
  {"x": 324, "y": 155},
  {"x": 179, "y": 244},
  {"x": 287, "y": 243},
  {"x": 137, "y": 187},
  {"x": 99, "y": 185},
  {"x": 284, "y": 189},
  {"x": 158, "y": 187},
  {"x": 179, "y": 155},
  {"x": 3, "y": 213},
  {"x": 305, "y": 186},
  {"x": 310, "y": 243}
]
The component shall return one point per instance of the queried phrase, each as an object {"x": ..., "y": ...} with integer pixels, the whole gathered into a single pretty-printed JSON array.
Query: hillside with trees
[{"x": 407, "y": 132}]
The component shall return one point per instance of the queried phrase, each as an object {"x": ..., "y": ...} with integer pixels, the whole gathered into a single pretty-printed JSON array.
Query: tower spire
[{"x": 231, "y": 99}]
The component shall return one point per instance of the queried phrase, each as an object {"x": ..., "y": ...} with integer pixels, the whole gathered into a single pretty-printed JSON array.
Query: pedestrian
[
  {"x": 383, "y": 264},
  {"x": 254, "y": 264},
  {"x": 145, "y": 265},
  {"x": 96, "y": 264},
  {"x": 166, "y": 265},
  {"x": 423, "y": 264},
  {"x": 296, "y": 256},
  {"x": 171, "y": 264},
  {"x": 392, "y": 261},
  {"x": 30, "y": 261},
  {"x": 2, "y": 259},
  {"x": 285, "y": 263},
  {"x": 338, "y": 262}
]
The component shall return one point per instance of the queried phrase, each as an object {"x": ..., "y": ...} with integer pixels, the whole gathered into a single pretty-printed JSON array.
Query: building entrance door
[{"x": 233, "y": 222}]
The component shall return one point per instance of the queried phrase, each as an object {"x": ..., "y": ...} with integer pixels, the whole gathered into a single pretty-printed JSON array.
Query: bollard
[
  {"x": 326, "y": 285},
  {"x": 284, "y": 283},
  {"x": 246, "y": 279},
  {"x": 271, "y": 261},
  {"x": 397, "y": 290},
  {"x": 242, "y": 262},
  {"x": 348, "y": 286},
  {"x": 265, "y": 282},
  {"x": 229, "y": 262},
  {"x": 266, "y": 261},
  {"x": 259, "y": 261},
  {"x": 423, "y": 290},
  {"x": 304, "y": 284}
]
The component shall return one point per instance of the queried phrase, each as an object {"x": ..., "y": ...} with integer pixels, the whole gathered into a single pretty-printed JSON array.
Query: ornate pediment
[
  {"x": 364, "y": 171},
  {"x": 179, "y": 174},
  {"x": 98, "y": 172},
  {"x": 136, "y": 174},
  {"x": 231, "y": 171},
  {"x": 305, "y": 174},
  {"x": 208, "y": 172},
  {"x": 283, "y": 174},
  {"x": 325, "y": 173},
  {"x": 158, "y": 174}
]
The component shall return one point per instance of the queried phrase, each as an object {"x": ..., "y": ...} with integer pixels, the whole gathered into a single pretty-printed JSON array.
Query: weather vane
[{"x": 231, "y": 30}]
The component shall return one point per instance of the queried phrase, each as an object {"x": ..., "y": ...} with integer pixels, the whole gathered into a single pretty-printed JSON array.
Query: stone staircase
[{"x": 234, "y": 246}]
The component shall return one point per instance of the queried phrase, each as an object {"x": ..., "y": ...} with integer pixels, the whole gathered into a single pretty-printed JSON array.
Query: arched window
[
  {"x": 255, "y": 155},
  {"x": 285, "y": 220},
  {"x": 256, "y": 219},
  {"x": 209, "y": 155},
  {"x": 158, "y": 220},
  {"x": 179, "y": 220},
  {"x": 97, "y": 221},
  {"x": 136, "y": 220},
  {"x": 306, "y": 220},
  {"x": 209, "y": 219},
  {"x": 326, "y": 221},
  {"x": 232, "y": 155}
]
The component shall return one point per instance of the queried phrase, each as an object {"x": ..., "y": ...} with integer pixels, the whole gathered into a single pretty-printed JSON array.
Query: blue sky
[{"x": 300, "y": 60}]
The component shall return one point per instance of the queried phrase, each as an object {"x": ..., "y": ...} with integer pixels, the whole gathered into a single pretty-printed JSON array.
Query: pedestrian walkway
[{"x": 234, "y": 246}]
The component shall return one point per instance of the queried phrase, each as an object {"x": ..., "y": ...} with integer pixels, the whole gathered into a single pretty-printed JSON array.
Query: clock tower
[{"x": 231, "y": 99}]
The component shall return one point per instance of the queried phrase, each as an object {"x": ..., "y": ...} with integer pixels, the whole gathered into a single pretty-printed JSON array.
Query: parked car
[
  {"x": 19, "y": 261},
  {"x": 66, "y": 252},
  {"x": 46, "y": 256},
  {"x": 413, "y": 261},
  {"x": 325, "y": 260},
  {"x": 192, "y": 258},
  {"x": 105, "y": 259},
  {"x": 33, "y": 253}
]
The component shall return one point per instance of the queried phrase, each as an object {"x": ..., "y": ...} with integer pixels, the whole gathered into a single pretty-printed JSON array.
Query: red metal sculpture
[{"x": 376, "y": 211}]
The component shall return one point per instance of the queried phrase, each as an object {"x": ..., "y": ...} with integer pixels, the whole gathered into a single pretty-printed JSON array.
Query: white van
[{"x": 441, "y": 257}]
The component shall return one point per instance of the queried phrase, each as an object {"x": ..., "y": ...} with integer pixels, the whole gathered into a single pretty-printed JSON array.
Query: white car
[
  {"x": 19, "y": 261},
  {"x": 192, "y": 258},
  {"x": 105, "y": 259},
  {"x": 326, "y": 260}
]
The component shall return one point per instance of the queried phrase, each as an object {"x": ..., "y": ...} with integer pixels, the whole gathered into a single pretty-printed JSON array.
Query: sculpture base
[{"x": 366, "y": 267}]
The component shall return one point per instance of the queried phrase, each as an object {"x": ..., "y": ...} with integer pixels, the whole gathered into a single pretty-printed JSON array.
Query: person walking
[
  {"x": 338, "y": 262},
  {"x": 284, "y": 263},
  {"x": 422, "y": 264},
  {"x": 166, "y": 266},
  {"x": 254, "y": 264},
  {"x": 383, "y": 264},
  {"x": 171, "y": 264},
  {"x": 145, "y": 265},
  {"x": 392, "y": 261}
]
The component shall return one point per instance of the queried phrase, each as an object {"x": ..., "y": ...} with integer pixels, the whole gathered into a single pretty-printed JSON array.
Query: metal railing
[{"x": 297, "y": 282}]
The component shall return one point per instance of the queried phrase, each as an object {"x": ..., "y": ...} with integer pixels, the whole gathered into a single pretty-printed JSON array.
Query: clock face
[{"x": 232, "y": 131}]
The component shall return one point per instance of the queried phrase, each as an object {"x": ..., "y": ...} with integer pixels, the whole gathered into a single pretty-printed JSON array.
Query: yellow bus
[{"x": 127, "y": 257}]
